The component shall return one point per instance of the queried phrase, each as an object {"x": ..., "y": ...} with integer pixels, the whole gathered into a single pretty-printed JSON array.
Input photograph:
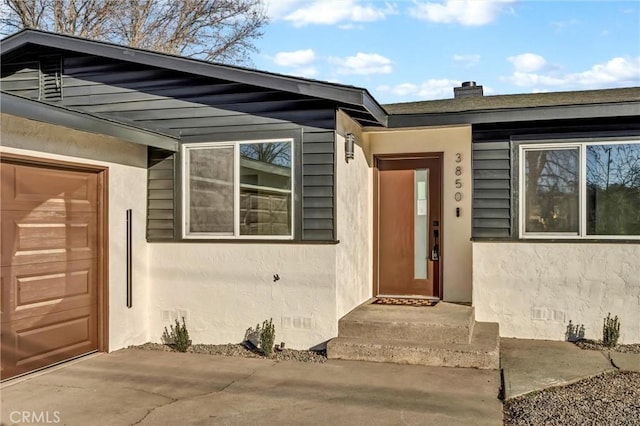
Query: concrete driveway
[{"x": 139, "y": 387}]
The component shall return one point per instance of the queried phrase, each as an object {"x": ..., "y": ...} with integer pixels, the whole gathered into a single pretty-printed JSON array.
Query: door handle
[{"x": 435, "y": 252}]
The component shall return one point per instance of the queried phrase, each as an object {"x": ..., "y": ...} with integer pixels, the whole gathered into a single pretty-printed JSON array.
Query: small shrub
[
  {"x": 261, "y": 338},
  {"x": 267, "y": 337},
  {"x": 179, "y": 336},
  {"x": 610, "y": 331}
]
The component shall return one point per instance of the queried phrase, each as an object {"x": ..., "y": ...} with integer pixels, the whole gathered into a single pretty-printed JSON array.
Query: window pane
[
  {"x": 211, "y": 190},
  {"x": 265, "y": 188},
  {"x": 421, "y": 219},
  {"x": 613, "y": 189},
  {"x": 551, "y": 190}
]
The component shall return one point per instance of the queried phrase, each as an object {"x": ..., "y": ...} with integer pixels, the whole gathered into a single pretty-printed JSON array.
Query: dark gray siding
[
  {"x": 318, "y": 191},
  {"x": 22, "y": 78},
  {"x": 195, "y": 109},
  {"x": 491, "y": 189},
  {"x": 161, "y": 196}
]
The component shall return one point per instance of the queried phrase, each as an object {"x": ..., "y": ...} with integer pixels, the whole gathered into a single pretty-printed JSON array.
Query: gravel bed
[
  {"x": 595, "y": 345},
  {"x": 239, "y": 350},
  {"x": 608, "y": 399}
]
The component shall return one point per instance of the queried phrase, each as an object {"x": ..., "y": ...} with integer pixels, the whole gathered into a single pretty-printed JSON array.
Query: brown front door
[
  {"x": 49, "y": 261},
  {"x": 409, "y": 226}
]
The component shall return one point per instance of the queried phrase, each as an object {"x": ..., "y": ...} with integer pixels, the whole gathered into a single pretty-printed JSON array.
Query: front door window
[{"x": 420, "y": 220}]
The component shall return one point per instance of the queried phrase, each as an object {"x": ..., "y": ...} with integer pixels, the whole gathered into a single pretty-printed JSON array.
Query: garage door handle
[{"x": 129, "y": 261}]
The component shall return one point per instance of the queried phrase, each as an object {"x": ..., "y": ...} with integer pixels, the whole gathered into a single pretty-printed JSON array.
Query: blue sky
[{"x": 418, "y": 50}]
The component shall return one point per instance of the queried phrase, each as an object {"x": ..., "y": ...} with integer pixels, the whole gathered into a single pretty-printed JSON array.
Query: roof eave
[
  {"x": 561, "y": 112},
  {"x": 52, "y": 114},
  {"x": 375, "y": 109}
]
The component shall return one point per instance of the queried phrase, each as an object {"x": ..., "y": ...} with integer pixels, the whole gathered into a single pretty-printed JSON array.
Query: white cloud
[
  {"x": 277, "y": 9},
  {"x": 528, "y": 62},
  {"x": 526, "y": 79},
  {"x": 465, "y": 12},
  {"x": 430, "y": 89},
  {"x": 307, "y": 72},
  {"x": 616, "y": 72},
  {"x": 468, "y": 60},
  {"x": 299, "y": 62},
  {"x": 363, "y": 64},
  {"x": 328, "y": 12},
  {"x": 295, "y": 59}
]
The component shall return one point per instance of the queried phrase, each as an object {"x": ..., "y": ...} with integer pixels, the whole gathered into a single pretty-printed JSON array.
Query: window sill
[
  {"x": 558, "y": 240},
  {"x": 242, "y": 241}
]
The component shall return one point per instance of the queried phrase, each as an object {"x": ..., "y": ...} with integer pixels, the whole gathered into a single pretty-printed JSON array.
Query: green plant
[
  {"x": 267, "y": 336},
  {"x": 610, "y": 331},
  {"x": 261, "y": 338},
  {"x": 179, "y": 335}
]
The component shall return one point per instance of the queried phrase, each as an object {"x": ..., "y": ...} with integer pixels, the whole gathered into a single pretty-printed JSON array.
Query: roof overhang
[
  {"x": 48, "y": 113},
  {"x": 563, "y": 112}
]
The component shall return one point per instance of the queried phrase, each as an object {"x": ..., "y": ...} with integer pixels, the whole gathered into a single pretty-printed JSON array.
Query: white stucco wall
[
  {"x": 456, "y": 245},
  {"x": 354, "y": 253},
  {"x": 127, "y": 190},
  {"x": 534, "y": 289},
  {"x": 222, "y": 289}
]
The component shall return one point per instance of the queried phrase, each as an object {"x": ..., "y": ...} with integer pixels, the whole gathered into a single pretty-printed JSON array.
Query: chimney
[{"x": 468, "y": 89}]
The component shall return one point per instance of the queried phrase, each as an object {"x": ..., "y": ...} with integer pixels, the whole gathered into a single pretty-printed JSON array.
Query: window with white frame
[
  {"x": 238, "y": 189},
  {"x": 580, "y": 190}
]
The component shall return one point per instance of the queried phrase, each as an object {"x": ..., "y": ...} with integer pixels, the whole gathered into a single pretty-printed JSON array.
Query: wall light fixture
[{"x": 349, "y": 147}]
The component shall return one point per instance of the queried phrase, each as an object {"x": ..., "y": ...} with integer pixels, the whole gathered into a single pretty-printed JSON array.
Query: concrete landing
[
  {"x": 445, "y": 322},
  {"x": 531, "y": 365},
  {"x": 445, "y": 335}
]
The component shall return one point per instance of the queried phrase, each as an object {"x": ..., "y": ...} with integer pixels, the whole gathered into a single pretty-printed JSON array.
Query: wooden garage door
[{"x": 49, "y": 253}]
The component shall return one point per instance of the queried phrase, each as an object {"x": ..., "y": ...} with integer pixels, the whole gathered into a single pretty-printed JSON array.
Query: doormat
[{"x": 404, "y": 301}]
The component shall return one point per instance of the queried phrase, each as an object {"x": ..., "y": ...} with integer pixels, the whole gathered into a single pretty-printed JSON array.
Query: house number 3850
[{"x": 458, "y": 172}]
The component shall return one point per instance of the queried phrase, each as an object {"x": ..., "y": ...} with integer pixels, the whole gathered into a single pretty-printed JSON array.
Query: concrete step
[
  {"x": 445, "y": 323},
  {"x": 482, "y": 352}
]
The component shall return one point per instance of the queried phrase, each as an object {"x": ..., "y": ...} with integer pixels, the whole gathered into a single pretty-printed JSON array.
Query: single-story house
[{"x": 139, "y": 188}]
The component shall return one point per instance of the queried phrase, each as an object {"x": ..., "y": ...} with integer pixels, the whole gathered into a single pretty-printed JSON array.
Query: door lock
[{"x": 435, "y": 251}]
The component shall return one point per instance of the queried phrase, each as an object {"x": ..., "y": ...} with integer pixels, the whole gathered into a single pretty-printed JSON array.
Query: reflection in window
[
  {"x": 211, "y": 190},
  {"x": 613, "y": 189},
  {"x": 552, "y": 194},
  {"x": 265, "y": 188}
]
